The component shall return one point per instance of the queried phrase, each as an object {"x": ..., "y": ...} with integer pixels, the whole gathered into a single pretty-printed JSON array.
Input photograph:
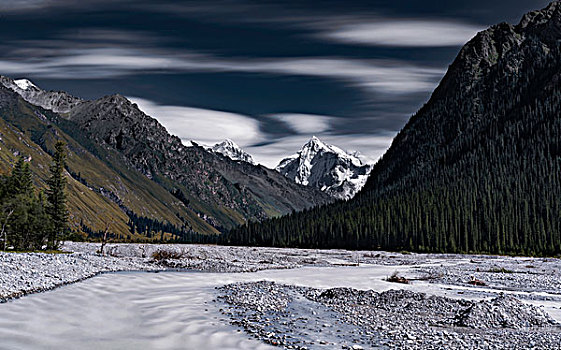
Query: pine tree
[
  {"x": 56, "y": 196},
  {"x": 21, "y": 182}
]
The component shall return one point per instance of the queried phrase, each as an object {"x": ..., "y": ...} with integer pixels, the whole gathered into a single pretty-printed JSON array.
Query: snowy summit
[
  {"x": 56, "y": 101},
  {"x": 25, "y": 84},
  {"x": 326, "y": 167},
  {"x": 230, "y": 149}
]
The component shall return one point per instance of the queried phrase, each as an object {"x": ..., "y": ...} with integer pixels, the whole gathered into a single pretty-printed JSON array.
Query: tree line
[{"x": 34, "y": 219}]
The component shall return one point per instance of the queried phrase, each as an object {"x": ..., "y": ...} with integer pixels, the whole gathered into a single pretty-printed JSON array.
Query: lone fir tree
[{"x": 56, "y": 196}]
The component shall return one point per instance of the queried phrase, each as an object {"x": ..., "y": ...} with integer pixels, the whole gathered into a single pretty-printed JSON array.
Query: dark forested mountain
[
  {"x": 130, "y": 174},
  {"x": 477, "y": 169}
]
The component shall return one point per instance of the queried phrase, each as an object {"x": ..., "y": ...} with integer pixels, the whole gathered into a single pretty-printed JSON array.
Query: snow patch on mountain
[
  {"x": 230, "y": 149},
  {"x": 56, "y": 101},
  {"x": 329, "y": 168},
  {"x": 25, "y": 84}
]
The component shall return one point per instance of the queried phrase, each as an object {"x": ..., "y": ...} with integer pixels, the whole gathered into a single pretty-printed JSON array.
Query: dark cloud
[{"x": 349, "y": 71}]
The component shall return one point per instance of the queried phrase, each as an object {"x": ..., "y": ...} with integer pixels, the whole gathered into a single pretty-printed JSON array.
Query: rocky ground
[
  {"x": 250, "y": 259},
  {"x": 501, "y": 311},
  {"x": 25, "y": 273},
  {"x": 344, "y": 318},
  {"x": 513, "y": 274}
]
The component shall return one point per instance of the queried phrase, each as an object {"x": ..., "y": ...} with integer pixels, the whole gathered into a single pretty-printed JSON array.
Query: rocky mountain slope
[
  {"x": 130, "y": 159},
  {"x": 477, "y": 169},
  {"x": 227, "y": 192},
  {"x": 327, "y": 168},
  {"x": 230, "y": 149},
  {"x": 57, "y": 101}
]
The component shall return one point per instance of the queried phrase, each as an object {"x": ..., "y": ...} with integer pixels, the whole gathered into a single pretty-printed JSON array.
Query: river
[{"x": 166, "y": 310}]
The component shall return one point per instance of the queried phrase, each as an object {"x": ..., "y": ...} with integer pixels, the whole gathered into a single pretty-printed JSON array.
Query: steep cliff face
[
  {"x": 327, "y": 168},
  {"x": 99, "y": 194}
]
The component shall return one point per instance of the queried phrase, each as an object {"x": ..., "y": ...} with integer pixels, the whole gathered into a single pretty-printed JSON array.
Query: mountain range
[
  {"x": 476, "y": 169},
  {"x": 127, "y": 172},
  {"x": 328, "y": 168}
]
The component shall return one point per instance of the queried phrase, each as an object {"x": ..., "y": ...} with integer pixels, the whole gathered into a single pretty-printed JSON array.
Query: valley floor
[{"x": 324, "y": 299}]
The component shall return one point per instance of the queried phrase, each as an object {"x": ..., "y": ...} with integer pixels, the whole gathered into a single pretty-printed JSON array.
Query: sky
[{"x": 266, "y": 74}]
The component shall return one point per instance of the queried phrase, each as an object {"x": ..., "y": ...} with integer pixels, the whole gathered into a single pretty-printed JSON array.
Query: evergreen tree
[
  {"x": 56, "y": 196},
  {"x": 24, "y": 222},
  {"x": 20, "y": 181}
]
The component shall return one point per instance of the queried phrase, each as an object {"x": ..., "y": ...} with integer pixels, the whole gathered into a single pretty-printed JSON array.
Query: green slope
[{"x": 100, "y": 192}]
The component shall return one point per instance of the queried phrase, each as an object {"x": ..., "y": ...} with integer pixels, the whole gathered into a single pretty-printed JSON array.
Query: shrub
[{"x": 166, "y": 254}]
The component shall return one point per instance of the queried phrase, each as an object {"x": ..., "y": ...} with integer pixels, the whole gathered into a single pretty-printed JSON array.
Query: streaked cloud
[
  {"x": 136, "y": 41},
  {"x": 402, "y": 32},
  {"x": 209, "y": 127},
  {"x": 203, "y": 125},
  {"x": 382, "y": 76},
  {"x": 363, "y": 28},
  {"x": 11, "y": 5},
  {"x": 305, "y": 123},
  {"x": 26, "y": 6}
]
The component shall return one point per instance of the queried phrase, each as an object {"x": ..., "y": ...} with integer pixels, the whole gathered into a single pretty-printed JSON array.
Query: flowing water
[{"x": 168, "y": 310}]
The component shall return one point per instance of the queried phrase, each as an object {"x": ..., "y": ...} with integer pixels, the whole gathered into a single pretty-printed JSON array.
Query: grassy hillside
[{"x": 100, "y": 193}]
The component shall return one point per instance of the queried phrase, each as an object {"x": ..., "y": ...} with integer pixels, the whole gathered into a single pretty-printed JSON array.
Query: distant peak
[
  {"x": 25, "y": 84},
  {"x": 230, "y": 149},
  {"x": 57, "y": 101},
  {"x": 315, "y": 141},
  {"x": 228, "y": 142},
  {"x": 326, "y": 167}
]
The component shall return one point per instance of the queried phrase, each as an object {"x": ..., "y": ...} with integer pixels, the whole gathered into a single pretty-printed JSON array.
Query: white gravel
[
  {"x": 444, "y": 279},
  {"x": 308, "y": 318},
  {"x": 25, "y": 273}
]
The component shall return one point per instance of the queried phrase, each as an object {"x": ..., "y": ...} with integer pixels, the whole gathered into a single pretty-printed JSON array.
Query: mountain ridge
[
  {"x": 214, "y": 193},
  {"x": 57, "y": 101}
]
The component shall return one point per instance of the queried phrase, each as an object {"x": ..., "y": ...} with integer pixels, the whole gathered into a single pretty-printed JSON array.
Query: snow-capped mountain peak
[
  {"x": 326, "y": 167},
  {"x": 25, "y": 84},
  {"x": 56, "y": 101},
  {"x": 230, "y": 149}
]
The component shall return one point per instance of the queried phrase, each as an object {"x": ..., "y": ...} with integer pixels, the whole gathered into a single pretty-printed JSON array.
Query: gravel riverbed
[
  {"x": 344, "y": 318},
  {"x": 516, "y": 304},
  {"x": 25, "y": 273}
]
